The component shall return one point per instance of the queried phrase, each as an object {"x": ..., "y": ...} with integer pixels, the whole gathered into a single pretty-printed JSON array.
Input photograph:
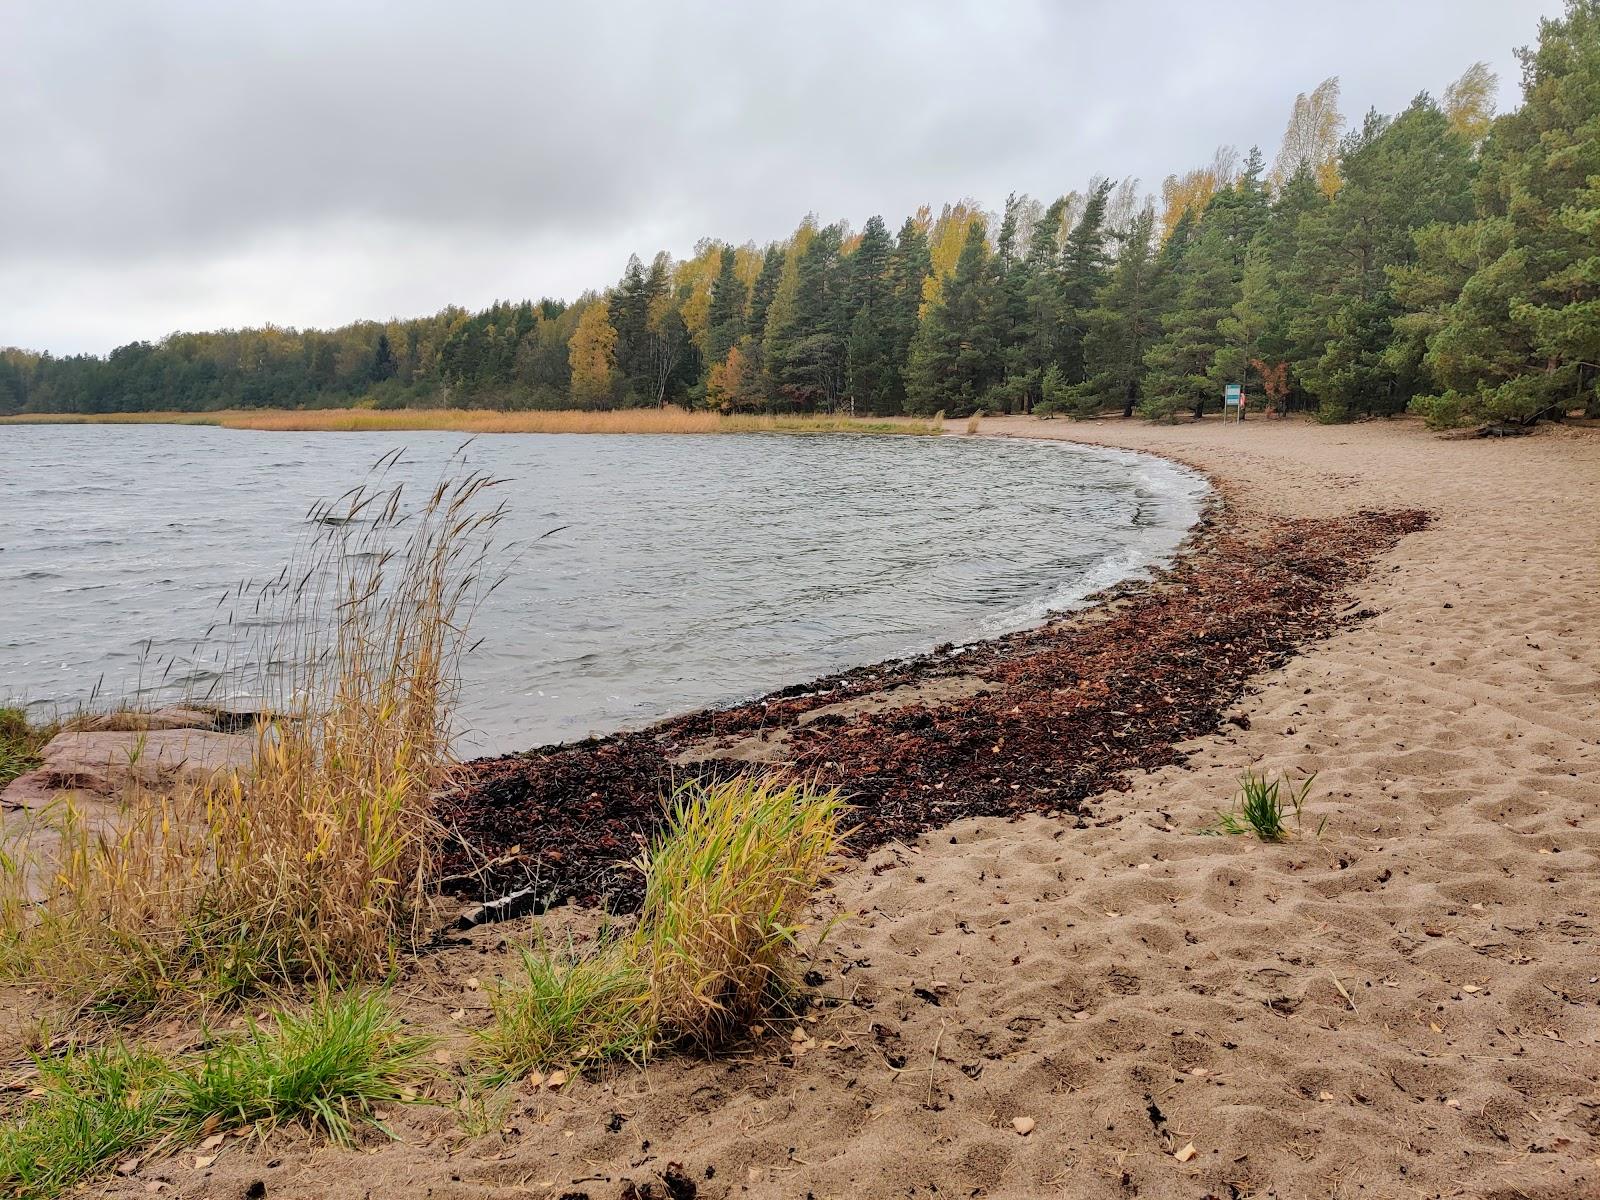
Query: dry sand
[{"x": 1405, "y": 1006}]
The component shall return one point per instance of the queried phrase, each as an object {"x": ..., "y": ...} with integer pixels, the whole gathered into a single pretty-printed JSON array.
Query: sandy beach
[{"x": 1405, "y": 1005}]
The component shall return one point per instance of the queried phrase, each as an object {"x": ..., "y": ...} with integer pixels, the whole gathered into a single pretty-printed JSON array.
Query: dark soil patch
[{"x": 1065, "y": 711}]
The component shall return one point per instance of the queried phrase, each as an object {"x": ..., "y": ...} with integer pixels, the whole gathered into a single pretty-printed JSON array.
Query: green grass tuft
[
  {"x": 725, "y": 888},
  {"x": 331, "y": 1065},
  {"x": 568, "y": 1008},
  {"x": 98, "y": 1106},
  {"x": 1261, "y": 807}
]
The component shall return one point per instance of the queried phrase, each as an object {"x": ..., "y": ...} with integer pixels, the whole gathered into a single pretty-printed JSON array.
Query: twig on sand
[
  {"x": 1342, "y": 992},
  {"x": 934, "y": 1065}
]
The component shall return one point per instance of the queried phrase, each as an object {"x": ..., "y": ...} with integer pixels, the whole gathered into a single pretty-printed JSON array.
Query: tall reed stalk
[{"x": 309, "y": 865}]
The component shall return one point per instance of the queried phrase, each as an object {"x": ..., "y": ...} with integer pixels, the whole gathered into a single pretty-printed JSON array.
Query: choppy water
[{"x": 687, "y": 571}]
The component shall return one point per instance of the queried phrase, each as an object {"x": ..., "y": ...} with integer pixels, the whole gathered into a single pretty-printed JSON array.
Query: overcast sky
[{"x": 197, "y": 165}]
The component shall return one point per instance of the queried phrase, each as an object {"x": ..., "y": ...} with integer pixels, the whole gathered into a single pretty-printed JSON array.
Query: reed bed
[
  {"x": 309, "y": 866},
  {"x": 472, "y": 421}
]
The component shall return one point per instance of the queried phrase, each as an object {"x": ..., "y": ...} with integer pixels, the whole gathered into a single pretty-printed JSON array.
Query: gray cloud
[{"x": 193, "y": 165}]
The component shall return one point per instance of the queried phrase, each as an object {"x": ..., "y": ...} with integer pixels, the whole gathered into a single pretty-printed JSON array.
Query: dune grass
[
  {"x": 95, "y": 1106},
  {"x": 329, "y": 1067},
  {"x": 310, "y": 866},
  {"x": 462, "y": 420},
  {"x": 570, "y": 1008},
  {"x": 726, "y": 884},
  {"x": 1261, "y": 807}
]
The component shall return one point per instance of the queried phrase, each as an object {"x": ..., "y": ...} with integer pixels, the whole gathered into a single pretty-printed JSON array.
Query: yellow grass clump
[
  {"x": 310, "y": 864},
  {"x": 465, "y": 420},
  {"x": 726, "y": 885}
]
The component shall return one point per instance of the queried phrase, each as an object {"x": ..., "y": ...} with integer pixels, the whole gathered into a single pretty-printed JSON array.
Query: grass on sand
[
  {"x": 1262, "y": 805},
  {"x": 328, "y": 1066},
  {"x": 725, "y": 889}
]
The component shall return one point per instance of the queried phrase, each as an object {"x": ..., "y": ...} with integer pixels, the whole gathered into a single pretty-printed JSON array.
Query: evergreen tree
[
  {"x": 1084, "y": 263},
  {"x": 1522, "y": 339},
  {"x": 1258, "y": 338},
  {"x": 383, "y": 360},
  {"x": 1011, "y": 307},
  {"x": 1399, "y": 176},
  {"x": 868, "y": 309},
  {"x": 909, "y": 265},
  {"x": 1121, "y": 326},
  {"x": 630, "y": 311},
  {"x": 766, "y": 287},
  {"x": 1038, "y": 339},
  {"x": 725, "y": 320},
  {"x": 955, "y": 356},
  {"x": 806, "y": 335},
  {"x": 1182, "y": 372}
]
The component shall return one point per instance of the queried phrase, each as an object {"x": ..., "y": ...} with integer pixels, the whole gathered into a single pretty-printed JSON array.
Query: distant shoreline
[{"x": 463, "y": 420}]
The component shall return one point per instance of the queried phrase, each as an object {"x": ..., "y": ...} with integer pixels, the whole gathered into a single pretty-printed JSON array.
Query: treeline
[{"x": 1443, "y": 260}]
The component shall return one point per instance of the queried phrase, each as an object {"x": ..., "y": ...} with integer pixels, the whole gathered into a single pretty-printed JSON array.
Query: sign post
[{"x": 1233, "y": 402}]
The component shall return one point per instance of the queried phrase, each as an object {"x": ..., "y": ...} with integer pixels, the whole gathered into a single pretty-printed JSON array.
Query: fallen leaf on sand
[
  {"x": 128, "y": 1166},
  {"x": 202, "y": 1161},
  {"x": 1197, "y": 1071},
  {"x": 212, "y": 1142},
  {"x": 1186, "y": 1153},
  {"x": 1023, "y": 1125},
  {"x": 1452, "y": 1103},
  {"x": 473, "y": 984},
  {"x": 1325, "y": 1096},
  {"x": 1434, "y": 1025},
  {"x": 555, "y": 1079},
  {"x": 1081, "y": 1016},
  {"x": 1469, "y": 989}
]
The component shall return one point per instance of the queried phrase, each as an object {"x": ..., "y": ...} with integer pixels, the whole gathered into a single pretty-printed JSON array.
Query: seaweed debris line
[{"x": 1034, "y": 722}]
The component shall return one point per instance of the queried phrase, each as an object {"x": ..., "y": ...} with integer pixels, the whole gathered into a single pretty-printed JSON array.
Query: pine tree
[
  {"x": 1399, "y": 175},
  {"x": 870, "y": 369},
  {"x": 383, "y": 360},
  {"x": 1038, "y": 338},
  {"x": 1258, "y": 342},
  {"x": 725, "y": 319},
  {"x": 1522, "y": 339},
  {"x": 766, "y": 287},
  {"x": 1084, "y": 264},
  {"x": 1182, "y": 368},
  {"x": 629, "y": 312},
  {"x": 806, "y": 330},
  {"x": 909, "y": 264},
  {"x": 1121, "y": 326},
  {"x": 955, "y": 357}
]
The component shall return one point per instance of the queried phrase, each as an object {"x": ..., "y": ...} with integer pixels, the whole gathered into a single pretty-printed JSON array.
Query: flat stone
[{"x": 105, "y": 763}]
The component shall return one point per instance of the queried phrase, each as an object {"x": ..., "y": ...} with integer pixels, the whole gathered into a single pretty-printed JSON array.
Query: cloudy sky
[{"x": 193, "y": 165}]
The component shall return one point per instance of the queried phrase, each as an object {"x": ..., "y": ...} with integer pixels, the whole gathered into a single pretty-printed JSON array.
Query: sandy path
[{"x": 1134, "y": 987}]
